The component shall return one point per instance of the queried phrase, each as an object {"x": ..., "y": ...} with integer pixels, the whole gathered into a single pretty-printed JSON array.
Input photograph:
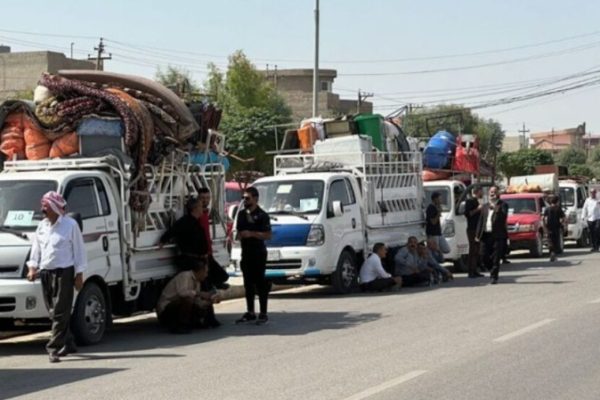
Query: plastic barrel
[
  {"x": 372, "y": 126},
  {"x": 439, "y": 150}
]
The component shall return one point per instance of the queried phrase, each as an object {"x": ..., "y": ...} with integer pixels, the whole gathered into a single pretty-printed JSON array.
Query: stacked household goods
[{"x": 92, "y": 113}]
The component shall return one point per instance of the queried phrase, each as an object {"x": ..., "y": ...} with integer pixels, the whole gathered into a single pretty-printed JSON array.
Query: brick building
[
  {"x": 296, "y": 87},
  {"x": 20, "y": 71}
]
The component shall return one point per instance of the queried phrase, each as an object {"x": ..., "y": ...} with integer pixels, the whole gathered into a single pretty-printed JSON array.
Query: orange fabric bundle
[
  {"x": 307, "y": 136},
  {"x": 12, "y": 142},
  {"x": 65, "y": 145},
  {"x": 37, "y": 145}
]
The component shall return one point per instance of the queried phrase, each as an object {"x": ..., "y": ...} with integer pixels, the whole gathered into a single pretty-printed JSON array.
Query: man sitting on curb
[
  {"x": 410, "y": 266},
  {"x": 435, "y": 258},
  {"x": 183, "y": 306},
  {"x": 373, "y": 278}
]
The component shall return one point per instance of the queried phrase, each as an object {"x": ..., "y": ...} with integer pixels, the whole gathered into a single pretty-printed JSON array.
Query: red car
[{"x": 525, "y": 224}]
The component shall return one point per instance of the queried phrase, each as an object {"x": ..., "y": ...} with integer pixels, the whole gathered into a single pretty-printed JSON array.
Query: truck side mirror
[
  {"x": 338, "y": 210},
  {"x": 232, "y": 211},
  {"x": 461, "y": 208}
]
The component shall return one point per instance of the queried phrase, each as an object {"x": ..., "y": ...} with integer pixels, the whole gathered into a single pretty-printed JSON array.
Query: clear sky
[{"x": 372, "y": 44}]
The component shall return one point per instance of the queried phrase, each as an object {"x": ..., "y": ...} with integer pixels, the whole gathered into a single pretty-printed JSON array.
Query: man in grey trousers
[{"x": 58, "y": 257}]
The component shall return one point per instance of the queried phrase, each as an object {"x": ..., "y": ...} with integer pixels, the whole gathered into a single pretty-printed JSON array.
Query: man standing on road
[
  {"x": 554, "y": 218},
  {"x": 433, "y": 226},
  {"x": 58, "y": 257},
  {"x": 473, "y": 208},
  {"x": 373, "y": 278},
  {"x": 253, "y": 227},
  {"x": 591, "y": 214},
  {"x": 492, "y": 232},
  {"x": 216, "y": 274}
]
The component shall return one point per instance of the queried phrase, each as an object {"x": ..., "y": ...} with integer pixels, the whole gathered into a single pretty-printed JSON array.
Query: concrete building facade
[
  {"x": 20, "y": 71},
  {"x": 296, "y": 87}
]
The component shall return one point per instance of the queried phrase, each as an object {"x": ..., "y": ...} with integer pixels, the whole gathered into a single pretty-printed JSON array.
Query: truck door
[
  {"x": 460, "y": 221},
  {"x": 111, "y": 241},
  {"x": 82, "y": 198},
  {"x": 346, "y": 229}
]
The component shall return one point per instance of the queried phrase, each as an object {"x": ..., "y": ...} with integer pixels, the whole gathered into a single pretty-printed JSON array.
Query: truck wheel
[
  {"x": 584, "y": 240},
  {"x": 6, "y": 324},
  {"x": 537, "y": 248},
  {"x": 89, "y": 316},
  {"x": 345, "y": 277},
  {"x": 461, "y": 264}
]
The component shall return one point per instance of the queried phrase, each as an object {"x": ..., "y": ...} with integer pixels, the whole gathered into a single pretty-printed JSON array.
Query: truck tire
[
  {"x": 6, "y": 324},
  {"x": 584, "y": 239},
  {"x": 89, "y": 318},
  {"x": 345, "y": 277},
  {"x": 537, "y": 248}
]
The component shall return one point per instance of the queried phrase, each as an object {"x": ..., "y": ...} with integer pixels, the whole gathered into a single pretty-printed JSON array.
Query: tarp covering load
[{"x": 92, "y": 113}]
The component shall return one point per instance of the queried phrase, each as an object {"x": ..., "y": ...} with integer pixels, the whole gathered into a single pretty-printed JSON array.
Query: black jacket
[
  {"x": 188, "y": 235},
  {"x": 499, "y": 217}
]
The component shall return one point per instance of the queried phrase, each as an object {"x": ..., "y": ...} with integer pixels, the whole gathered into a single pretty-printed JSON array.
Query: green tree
[
  {"x": 178, "y": 80},
  {"x": 582, "y": 170},
  {"x": 523, "y": 162},
  {"x": 571, "y": 156},
  {"x": 250, "y": 106}
]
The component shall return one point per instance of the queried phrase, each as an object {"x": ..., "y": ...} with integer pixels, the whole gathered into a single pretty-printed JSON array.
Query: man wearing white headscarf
[{"x": 58, "y": 258}]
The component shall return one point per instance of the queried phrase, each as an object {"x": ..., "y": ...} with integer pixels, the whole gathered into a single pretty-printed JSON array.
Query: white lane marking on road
[
  {"x": 595, "y": 301},
  {"x": 386, "y": 385},
  {"x": 524, "y": 330}
]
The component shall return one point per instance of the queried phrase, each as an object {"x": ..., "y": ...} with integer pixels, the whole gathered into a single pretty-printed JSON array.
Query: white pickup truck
[
  {"x": 126, "y": 270},
  {"x": 572, "y": 196},
  {"x": 328, "y": 209},
  {"x": 454, "y": 223}
]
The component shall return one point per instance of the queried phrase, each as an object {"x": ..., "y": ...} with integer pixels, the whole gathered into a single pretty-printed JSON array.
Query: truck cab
[
  {"x": 454, "y": 223},
  {"x": 572, "y": 197},
  {"x": 327, "y": 211},
  {"x": 525, "y": 224}
]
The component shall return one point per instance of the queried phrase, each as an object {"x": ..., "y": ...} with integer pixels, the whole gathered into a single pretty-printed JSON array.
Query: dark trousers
[
  {"x": 253, "y": 267},
  {"x": 594, "y": 228},
  {"x": 493, "y": 251},
  {"x": 378, "y": 284},
  {"x": 416, "y": 279},
  {"x": 473, "y": 261},
  {"x": 58, "y": 287},
  {"x": 184, "y": 314},
  {"x": 554, "y": 240}
]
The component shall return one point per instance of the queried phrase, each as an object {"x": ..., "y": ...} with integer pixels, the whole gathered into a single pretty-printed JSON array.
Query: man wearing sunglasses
[{"x": 253, "y": 228}]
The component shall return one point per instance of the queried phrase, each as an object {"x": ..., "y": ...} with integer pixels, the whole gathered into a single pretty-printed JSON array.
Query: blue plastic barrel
[{"x": 439, "y": 150}]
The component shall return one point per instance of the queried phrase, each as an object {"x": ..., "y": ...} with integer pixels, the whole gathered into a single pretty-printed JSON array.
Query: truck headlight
[
  {"x": 316, "y": 235},
  {"x": 449, "y": 229}
]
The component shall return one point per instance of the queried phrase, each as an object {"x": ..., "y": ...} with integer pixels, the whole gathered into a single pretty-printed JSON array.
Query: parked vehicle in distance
[
  {"x": 525, "y": 224},
  {"x": 573, "y": 193}
]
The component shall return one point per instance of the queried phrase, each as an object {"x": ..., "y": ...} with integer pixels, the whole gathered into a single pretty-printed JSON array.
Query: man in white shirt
[
  {"x": 591, "y": 214},
  {"x": 58, "y": 257},
  {"x": 372, "y": 275}
]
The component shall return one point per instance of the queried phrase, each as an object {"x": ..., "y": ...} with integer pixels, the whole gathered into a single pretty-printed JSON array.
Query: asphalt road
[{"x": 533, "y": 336}]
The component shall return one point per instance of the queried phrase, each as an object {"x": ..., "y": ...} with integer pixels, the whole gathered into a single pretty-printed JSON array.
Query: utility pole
[
  {"x": 99, "y": 56},
  {"x": 316, "y": 88},
  {"x": 524, "y": 133},
  {"x": 72, "y": 43},
  {"x": 362, "y": 96}
]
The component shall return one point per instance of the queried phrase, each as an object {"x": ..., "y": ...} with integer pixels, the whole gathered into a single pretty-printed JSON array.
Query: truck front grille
[
  {"x": 284, "y": 264},
  {"x": 7, "y": 304}
]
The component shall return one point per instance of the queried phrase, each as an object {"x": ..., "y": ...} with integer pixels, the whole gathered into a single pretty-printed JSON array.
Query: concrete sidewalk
[{"x": 236, "y": 289}]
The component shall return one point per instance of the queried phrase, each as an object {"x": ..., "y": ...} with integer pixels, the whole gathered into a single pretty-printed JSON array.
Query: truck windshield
[
  {"x": 567, "y": 196},
  {"x": 444, "y": 193},
  {"x": 291, "y": 196},
  {"x": 521, "y": 206},
  {"x": 20, "y": 203}
]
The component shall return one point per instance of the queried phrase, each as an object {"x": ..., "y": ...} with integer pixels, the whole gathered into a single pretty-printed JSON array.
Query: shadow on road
[
  {"x": 147, "y": 335},
  {"x": 19, "y": 382}
]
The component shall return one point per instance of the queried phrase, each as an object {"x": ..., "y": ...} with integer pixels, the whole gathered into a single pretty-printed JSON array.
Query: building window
[{"x": 326, "y": 86}]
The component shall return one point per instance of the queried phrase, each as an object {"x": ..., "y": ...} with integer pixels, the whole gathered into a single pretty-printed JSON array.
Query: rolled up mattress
[{"x": 186, "y": 126}]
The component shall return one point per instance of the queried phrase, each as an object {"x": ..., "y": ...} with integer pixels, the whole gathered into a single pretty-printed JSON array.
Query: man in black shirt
[
  {"x": 433, "y": 226},
  {"x": 472, "y": 212},
  {"x": 492, "y": 232},
  {"x": 253, "y": 227},
  {"x": 554, "y": 218},
  {"x": 189, "y": 236}
]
